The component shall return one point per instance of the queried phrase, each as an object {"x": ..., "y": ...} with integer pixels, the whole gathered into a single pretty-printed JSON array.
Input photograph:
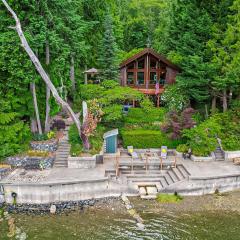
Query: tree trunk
[
  {"x": 47, "y": 116},
  {"x": 35, "y": 104},
  {"x": 47, "y": 53},
  {"x": 48, "y": 93},
  {"x": 225, "y": 105},
  {"x": 40, "y": 69},
  {"x": 85, "y": 76},
  {"x": 206, "y": 111},
  {"x": 33, "y": 125},
  {"x": 72, "y": 74},
  {"x": 214, "y": 103}
]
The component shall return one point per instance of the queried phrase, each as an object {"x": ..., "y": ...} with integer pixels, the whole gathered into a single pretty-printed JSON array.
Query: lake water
[{"x": 107, "y": 224}]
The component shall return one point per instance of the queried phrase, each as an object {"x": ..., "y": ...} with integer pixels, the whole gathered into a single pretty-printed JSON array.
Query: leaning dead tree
[{"x": 40, "y": 69}]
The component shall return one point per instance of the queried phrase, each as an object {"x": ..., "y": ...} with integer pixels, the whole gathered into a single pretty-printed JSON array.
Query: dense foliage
[
  {"x": 201, "y": 36},
  {"x": 203, "y": 138}
]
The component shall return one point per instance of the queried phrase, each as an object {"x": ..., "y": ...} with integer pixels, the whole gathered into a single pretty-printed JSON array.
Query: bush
[
  {"x": 39, "y": 137},
  {"x": 141, "y": 138},
  {"x": 183, "y": 148},
  {"x": 138, "y": 115},
  {"x": 14, "y": 134}
]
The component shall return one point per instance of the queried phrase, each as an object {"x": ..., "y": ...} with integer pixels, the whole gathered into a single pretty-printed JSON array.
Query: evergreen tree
[{"x": 108, "y": 54}]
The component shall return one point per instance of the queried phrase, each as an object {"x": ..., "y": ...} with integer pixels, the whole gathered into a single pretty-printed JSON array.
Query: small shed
[{"x": 110, "y": 141}]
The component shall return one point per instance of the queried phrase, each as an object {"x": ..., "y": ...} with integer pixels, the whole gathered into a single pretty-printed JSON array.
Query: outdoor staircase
[
  {"x": 219, "y": 154},
  {"x": 63, "y": 151},
  {"x": 150, "y": 182}
]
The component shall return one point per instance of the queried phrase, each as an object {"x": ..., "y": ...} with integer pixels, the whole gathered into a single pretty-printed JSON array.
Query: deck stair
[
  {"x": 62, "y": 152},
  {"x": 219, "y": 154},
  {"x": 148, "y": 180}
]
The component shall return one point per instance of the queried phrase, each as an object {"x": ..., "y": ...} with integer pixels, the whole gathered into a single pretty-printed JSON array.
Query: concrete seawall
[{"x": 43, "y": 193}]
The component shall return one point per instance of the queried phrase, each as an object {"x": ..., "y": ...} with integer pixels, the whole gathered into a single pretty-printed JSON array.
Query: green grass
[{"x": 169, "y": 198}]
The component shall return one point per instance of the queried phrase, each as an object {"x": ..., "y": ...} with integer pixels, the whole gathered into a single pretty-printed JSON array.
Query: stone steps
[{"x": 63, "y": 152}]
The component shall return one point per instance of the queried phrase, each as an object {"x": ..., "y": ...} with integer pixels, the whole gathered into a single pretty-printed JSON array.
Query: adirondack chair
[{"x": 163, "y": 158}]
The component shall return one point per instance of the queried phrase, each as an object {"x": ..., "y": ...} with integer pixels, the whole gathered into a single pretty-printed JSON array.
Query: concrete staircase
[
  {"x": 63, "y": 151},
  {"x": 147, "y": 180},
  {"x": 219, "y": 154}
]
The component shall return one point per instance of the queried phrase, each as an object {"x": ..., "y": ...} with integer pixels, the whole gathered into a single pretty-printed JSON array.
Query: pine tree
[
  {"x": 188, "y": 30},
  {"x": 108, "y": 53}
]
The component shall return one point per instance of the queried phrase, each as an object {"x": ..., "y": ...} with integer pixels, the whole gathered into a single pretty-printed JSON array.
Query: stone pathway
[{"x": 62, "y": 152}]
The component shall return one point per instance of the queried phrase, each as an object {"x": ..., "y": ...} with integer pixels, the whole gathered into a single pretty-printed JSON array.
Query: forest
[{"x": 202, "y": 37}]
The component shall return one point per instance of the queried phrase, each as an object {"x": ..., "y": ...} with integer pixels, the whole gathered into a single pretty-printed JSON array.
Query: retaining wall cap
[{"x": 54, "y": 183}]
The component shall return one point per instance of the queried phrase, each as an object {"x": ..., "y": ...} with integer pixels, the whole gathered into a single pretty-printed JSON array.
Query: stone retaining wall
[
  {"x": 31, "y": 162},
  {"x": 49, "y": 146}
]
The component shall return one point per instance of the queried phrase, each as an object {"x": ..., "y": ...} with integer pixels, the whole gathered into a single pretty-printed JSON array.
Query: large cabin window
[
  {"x": 153, "y": 64},
  {"x": 131, "y": 66},
  {"x": 153, "y": 77},
  {"x": 130, "y": 78},
  {"x": 141, "y": 64},
  {"x": 140, "y": 78},
  {"x": 162, "y": 78}
]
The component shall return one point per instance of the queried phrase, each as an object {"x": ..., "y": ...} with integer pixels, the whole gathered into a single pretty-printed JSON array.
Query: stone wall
[
  {"x": 82, "y": 162},
  {"x": 49, "y": 146},
  {"x": 31, "y": 162}
]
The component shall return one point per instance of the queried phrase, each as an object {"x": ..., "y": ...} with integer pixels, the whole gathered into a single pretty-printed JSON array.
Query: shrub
[
  {"x": 182, "y": 148},
  {"x": 177, "y": 122},
  {"x": 174, "y": 98},
  {"x": 39, "y": 137},
  {"x": 51, "y": 135},
  {"x": 141, "y": 138},
  {"x": 109, "y": 84},
  {"x": 14, "y": 133}
]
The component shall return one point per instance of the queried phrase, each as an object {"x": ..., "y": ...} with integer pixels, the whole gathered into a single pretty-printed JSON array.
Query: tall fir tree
[{"x": 109, "y": 49}]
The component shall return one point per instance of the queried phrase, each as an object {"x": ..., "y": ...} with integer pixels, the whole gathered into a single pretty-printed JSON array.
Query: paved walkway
[{"x": 210, "y": 169}]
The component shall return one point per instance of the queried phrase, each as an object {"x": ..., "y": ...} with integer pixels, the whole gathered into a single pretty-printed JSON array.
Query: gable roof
[{"x": 154, "y": 53}]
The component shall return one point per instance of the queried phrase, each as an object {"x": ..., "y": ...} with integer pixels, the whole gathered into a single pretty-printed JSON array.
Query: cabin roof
[{"x": 152, "y": 52}]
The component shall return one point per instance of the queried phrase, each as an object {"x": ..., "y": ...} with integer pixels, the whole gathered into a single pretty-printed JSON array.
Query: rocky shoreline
[{"x": 57, "y": 208}]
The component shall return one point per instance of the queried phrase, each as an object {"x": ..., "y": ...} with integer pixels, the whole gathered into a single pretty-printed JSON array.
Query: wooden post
[{"x": 132, "y": 165}]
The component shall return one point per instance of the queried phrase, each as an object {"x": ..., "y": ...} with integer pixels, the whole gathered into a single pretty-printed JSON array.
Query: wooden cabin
[{"x": 146, "y": 68}]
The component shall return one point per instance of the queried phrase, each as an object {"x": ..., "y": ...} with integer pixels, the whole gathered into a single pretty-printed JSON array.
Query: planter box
[
  {"x": 82, "y": 162},
  {"x": 202, "y": 159},
  {"x": 230, "y": 155}
]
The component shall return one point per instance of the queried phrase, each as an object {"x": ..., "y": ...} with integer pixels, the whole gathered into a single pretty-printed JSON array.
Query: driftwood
[{"x": 40, "y": 69}]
